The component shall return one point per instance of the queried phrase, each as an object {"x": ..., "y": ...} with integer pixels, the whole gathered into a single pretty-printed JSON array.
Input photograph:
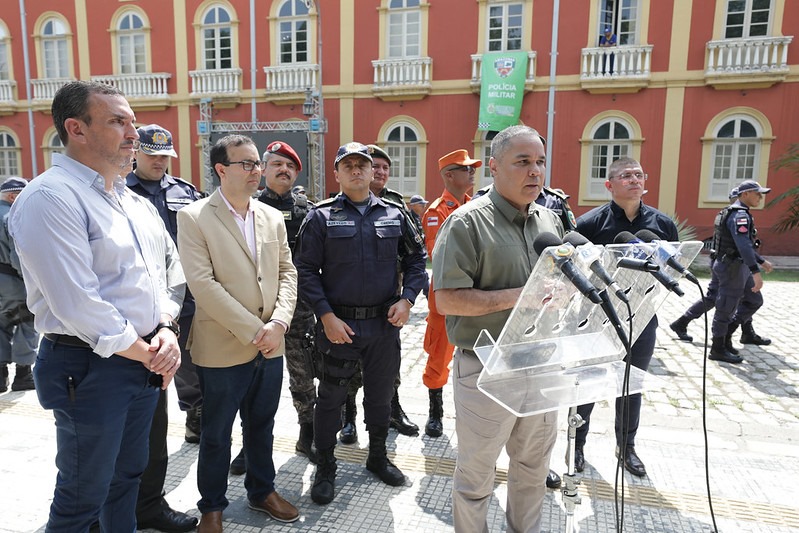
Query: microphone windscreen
[
  {"x": 647, "y": 236},
  {"x": 545, "y": 240},
  {"x": 575, "y": 239},
  {"x": 624, "y": 237}
]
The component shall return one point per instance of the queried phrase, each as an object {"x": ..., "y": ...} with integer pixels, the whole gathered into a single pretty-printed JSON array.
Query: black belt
[
  {"x": 350, "y": 312},
  {"x": 71, "y": 340}
]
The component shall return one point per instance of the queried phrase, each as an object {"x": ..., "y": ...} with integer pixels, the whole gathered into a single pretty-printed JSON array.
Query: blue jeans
[
  {"x": 103, "y": 409},
  {"x": 253, "y": 389}
]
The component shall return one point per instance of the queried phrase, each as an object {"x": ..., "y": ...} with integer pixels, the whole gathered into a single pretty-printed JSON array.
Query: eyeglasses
[
  {"x": 462, "y": 167},
  {"x": 630, "y": 176},
  {"x": 248, "y": 166}
]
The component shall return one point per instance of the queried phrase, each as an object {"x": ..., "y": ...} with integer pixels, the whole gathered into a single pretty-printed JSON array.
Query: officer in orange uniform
[{"x": 457, "y": 171}]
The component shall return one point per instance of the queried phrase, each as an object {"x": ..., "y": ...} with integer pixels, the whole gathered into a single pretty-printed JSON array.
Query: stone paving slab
[{"x": 753, "y": 431}]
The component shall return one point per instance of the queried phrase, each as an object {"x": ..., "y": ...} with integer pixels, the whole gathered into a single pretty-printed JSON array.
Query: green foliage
[
  {"x": 790, "y": 220},
  {"x": 684, "y": 231}
]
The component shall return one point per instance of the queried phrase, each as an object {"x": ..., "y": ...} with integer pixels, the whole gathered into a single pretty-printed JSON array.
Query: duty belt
[{"x": 363, "y": 313}]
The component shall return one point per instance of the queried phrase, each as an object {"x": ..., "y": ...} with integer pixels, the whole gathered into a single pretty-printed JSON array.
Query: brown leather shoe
[
  {"x": 275, "y": 506},
  {"x": 210, "y": 522}
]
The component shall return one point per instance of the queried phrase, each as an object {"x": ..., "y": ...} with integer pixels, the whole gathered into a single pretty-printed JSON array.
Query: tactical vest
[
  {"x": 723, "y": 243},
  {"x": 294, "y": 210}
]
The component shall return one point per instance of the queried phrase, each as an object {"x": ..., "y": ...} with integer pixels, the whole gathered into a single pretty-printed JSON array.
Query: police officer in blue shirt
[
  {"x": 735, "y": 261},
  {"x": 168, "y": 194},
  {"x": 351, "y": 252}
]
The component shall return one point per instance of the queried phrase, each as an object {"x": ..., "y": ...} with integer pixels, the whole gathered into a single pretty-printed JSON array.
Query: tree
[{"x": 790, "y": 220}]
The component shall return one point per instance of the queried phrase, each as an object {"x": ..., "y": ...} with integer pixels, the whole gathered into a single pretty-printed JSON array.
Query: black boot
[
  {"x": 719, "y": 353},
  {"x": 434, "y": 428},
  {"x": 238, "y": 466},
  {"x": 399, "y": 420},
  {"x": 680, "y": 327},
  {"x": 728, "y": 338},
  {"x": 349, "y": 433},
  {"x": 378, "y": 461},
  {"x": 748, "y": 336},
  {"x": 3, "y": 377},
  {"x": 23, "y": 379},
  {"x": 324, "y": 481},
  {"x": 194, "y": 425},
  {"x": 305, "y": 442}
]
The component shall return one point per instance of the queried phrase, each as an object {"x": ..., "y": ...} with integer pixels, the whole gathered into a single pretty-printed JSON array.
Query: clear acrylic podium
[{"x": 559, "y": 349}]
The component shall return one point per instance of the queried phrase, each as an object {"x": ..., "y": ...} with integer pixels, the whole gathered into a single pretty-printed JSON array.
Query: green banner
[{"x": 502, "y": 89}]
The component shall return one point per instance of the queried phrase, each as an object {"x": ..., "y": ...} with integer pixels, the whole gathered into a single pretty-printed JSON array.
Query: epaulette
[
  {"x": 435, "y": 203},
  {"x": 557, "y": 192},
  {"x": 326, "y": 201},
  {"x": 181, "y": 180},
  {"x": 393, "y": 195}
]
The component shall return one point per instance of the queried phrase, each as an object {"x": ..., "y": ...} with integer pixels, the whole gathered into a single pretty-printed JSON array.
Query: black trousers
[{"x": 151, "y": 500}]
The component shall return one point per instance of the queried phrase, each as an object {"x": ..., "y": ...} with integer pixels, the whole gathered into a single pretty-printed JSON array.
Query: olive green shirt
[{"x": 487, "y": 244}]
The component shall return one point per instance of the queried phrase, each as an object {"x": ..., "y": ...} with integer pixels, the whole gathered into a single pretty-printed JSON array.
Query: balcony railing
[
  {"x": 477, "y": 67},
  {"x": 290, "y": 78},
  {"x": 45, "y": 89},
  {"x": 7, "y": 91},
  {"x": 224, "y": 81},
  {"x": 619, "y": 62},
  {"x": 406, "y": 77},
  {"x": 754, "y": 55},
  {"x": 145, "y": 85}
]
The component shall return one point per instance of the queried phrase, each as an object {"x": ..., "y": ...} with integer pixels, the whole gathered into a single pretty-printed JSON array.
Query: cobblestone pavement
[{"x": 752, "y": 417}]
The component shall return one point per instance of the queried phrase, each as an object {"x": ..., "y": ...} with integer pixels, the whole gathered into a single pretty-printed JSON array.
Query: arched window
[
  {"x": 53, "y": 146},
  {"x": 293, "y": 32},
  {"x": 9, "y": 156},
  {"x": 131, "y": 44},
  {"x": 610, "y": 140},
  {"x": 404, "y": 29},
  {"x": 402, "y": 146},
  {"x": 736, "y": 156},
  {"x": 217, "y": 39},
  {"x": 54, "y": 49}
]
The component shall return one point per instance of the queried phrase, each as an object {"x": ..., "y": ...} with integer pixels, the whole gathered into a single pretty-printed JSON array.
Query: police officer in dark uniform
[
  {"x": 735, "y": 263},
  {"x": 750, "y": 300},
  {"x": 351, "y": 252},
  {"x": 283, "y": 165},
  {"x": 399, "y": 420},
  {"x": 601, "y": 225},
  {"x": 169, "y": 195}
]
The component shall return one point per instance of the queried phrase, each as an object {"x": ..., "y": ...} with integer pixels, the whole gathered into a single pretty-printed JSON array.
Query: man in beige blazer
[{"x": 238, "y": 265}]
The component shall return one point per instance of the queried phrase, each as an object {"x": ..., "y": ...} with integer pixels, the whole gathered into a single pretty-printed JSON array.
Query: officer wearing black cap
[
  {"x": 168, "y": 194},
  {"x": 749, "y": 301},
  {"x": 283, "y": 165},
  {"x": 735, "y": 259},
  {"x": 352, "y": 252},
  {"x": 381, "y": 165}
]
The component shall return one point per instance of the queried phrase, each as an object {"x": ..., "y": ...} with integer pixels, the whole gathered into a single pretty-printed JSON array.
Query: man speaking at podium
[
  {"x": 481, "y": 261},
  {"x": 625, "y": 212}
]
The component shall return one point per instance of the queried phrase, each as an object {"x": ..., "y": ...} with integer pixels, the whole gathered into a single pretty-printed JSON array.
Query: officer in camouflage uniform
[
  {"x": 735, "y": 263},
  {"x": 381, "y": 164}
]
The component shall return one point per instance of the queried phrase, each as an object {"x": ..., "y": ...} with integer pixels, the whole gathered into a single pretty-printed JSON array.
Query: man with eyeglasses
[
  {"x": 625, "y": 212},
  {"x": 736, "y": 265},
  {"x": 238, "y": 265}
]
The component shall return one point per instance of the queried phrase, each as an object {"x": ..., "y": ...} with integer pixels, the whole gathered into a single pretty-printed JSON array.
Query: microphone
[
  {"x": 563, "y": 260},
  {"x": 638, "y": 264},
  {"x": 667, "y": 253},
  {"x": 664, "y": 279},
  {"x": 591, "y": 254}
]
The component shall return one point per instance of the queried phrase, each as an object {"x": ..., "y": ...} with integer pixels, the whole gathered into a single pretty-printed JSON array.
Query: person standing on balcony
[{"x": 607, "y": 40}]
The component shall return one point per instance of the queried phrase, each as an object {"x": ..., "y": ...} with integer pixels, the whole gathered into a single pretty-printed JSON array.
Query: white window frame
[
  {"x": 55, "y": 52},
  {"x": 624, "y": 16},
  {"x": 483, "y": 176},
  {"x": 501, "y": 12},
  {"x": 609, "y": 150},
  {"x": 405, "y": 159},
  {"x": 5, "y": 54},
  {"x": 131, "y": 44},
  {"x": 404, "y": 29},
  {"x": 746, "y": 24},
  {"x": 9, "y": 155},
  {"x": 292, "y": 16},
  {"x": 733, "y": 159},
  {"x": 213, "y": 32}
]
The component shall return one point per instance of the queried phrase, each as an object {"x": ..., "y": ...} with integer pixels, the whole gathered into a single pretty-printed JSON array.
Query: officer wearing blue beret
[{"x": 352, "y": 252}]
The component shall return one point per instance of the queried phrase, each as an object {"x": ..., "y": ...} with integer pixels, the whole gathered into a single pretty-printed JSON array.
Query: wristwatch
[{"x": 169, "y": 325}]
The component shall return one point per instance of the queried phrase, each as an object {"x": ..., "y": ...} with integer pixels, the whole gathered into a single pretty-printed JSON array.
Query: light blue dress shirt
[{"x": 93, "y": 261}]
